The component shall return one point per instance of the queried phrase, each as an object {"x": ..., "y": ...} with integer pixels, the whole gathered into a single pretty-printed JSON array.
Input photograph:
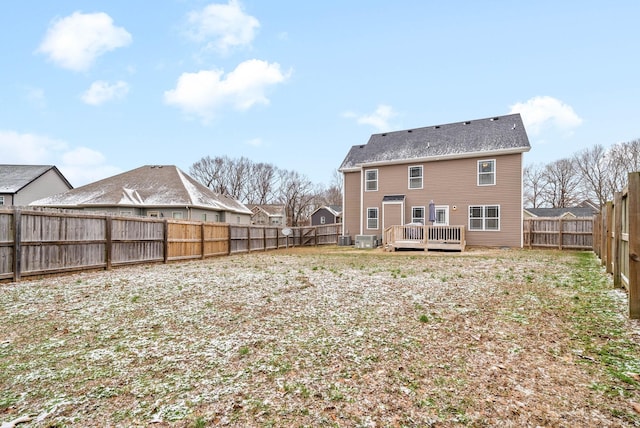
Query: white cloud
[
  {"x": 100, "y": 92},
  {"x": 255, "y": 142},
  {"x": 226, "y": 24},
  {"x": 80, "y": 165},
  {"x": 205, "y": 91},
  {"x": 74, "y": 42},
  {"x": 543, "y": 112},
  {"x": 379, "y": 119}
]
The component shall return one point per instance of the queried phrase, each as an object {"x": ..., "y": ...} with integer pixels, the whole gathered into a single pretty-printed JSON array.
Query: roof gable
[
  {"x": 495, "y": 135},
  {"x": 149, "y": 186},
  {"x": 13, "y": 178}
]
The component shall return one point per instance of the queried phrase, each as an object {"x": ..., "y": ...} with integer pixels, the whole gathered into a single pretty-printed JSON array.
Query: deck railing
[{"x": 425, "y": 236}]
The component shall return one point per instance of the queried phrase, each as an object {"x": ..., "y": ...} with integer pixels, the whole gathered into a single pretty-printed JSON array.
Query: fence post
[
  {"x": 17, "y": 244},
  {"x": 228, "y": 239},
  {"x": 610, "y": 229},
  {"x": 634, "y": 245},
  {"x": 560, "y": 238},
  {"x": 202, "y": 240},
  {"x": 617, "y": 231},
  {"x": 165, "y": 243},
  {"x": 108, "y": 241}
]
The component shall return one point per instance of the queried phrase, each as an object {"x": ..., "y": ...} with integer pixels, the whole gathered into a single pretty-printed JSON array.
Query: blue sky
[{"x": 101, "y": 87}]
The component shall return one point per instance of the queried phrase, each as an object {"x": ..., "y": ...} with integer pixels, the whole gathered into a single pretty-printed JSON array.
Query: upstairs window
[
  {"x": 484, "y": 217},
  {"x": 486, "y": 172},
  {"x": 371, "y": 180},
  {"x": 415, "y": 177},
  {"x": 1, "y": 200},
  {"x": 372, "y": 218}
]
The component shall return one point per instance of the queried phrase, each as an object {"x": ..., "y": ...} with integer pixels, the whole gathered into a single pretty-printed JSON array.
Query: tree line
[
  {"x": 263, "y": 183},
  {"x": 593, "y": 174}
]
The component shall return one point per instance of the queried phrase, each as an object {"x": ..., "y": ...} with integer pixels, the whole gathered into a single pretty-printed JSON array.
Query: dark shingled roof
[
  {"x": 147, "y": 186},
  {"x": 494, "y": 135}
]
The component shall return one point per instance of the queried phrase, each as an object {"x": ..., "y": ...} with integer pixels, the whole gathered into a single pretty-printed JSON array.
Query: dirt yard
[{"x": 324, "y": 337}]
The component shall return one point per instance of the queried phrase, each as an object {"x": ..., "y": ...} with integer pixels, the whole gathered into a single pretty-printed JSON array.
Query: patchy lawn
[{"x": 324, "y": 337}]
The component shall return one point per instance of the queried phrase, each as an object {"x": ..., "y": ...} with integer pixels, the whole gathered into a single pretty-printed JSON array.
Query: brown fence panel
[
  {"x": 136, "y": 240},
  {"x": 6, "y": 244},
  {"x": 551, "y": 232},
  {"x": 58, "y": 242},
  {"x": 238, "y": 239},
  {"x": 327, "y": 234},
  {"x": 184, "y": 240},
  {"x": 257, "y": 238},
  {"x": 271, "y": 235},
  {"x": 216, "y": 239}
]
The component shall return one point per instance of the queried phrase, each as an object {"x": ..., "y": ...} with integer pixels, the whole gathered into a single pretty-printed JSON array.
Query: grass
[{"x": 324, "y": 337}]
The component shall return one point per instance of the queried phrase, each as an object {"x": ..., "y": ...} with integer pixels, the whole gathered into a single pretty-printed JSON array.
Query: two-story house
[{"x": 472, "y": 171}]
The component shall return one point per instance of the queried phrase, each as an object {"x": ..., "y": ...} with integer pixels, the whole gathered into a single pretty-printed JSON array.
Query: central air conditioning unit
[{"x": 366, "y": 241}]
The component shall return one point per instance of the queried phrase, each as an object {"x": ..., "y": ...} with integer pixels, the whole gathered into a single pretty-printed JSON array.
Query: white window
[
  {"x": 417, "y": 215},
  {"x": 487, "y": 172},
  {"x": 442, "y": 215},
  {"x": 372, "y": 218},
  {"x": 371, "y": 180},
  {"x": 126, "y": 212},
  {"x": 415, "y": 177},
  {"x": 153, "y": 214},
  {"x": 177, "y": 214},
  {"x": 323, "y": 219},
  {"x": 484, "y": 217}
]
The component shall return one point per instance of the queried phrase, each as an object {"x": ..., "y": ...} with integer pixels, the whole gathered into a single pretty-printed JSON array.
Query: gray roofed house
[
  {"x": 268, "y": 214},
  {"x": 154, "y": 191},
  {"x": 22, "y": 184},
  {"x": 471, "y": 170},
  {"x": 326, "y": 214},
  {"x": 560, "y": 212}
]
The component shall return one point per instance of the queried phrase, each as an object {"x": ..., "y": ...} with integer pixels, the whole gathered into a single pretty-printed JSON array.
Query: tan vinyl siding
[
  {"x": 454, "y": 183},
  {"x": 351, "y": 207}
]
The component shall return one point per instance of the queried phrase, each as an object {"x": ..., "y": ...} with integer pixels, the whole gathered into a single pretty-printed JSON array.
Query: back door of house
[{"x": 392, "y": 214}]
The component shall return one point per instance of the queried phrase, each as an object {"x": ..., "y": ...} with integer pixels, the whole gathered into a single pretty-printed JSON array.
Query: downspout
[{"x": 361, "y": 199}]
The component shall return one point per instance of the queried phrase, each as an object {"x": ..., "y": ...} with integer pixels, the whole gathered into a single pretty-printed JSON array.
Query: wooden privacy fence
[
  {"x": 617, "y": 241},
  {"x": 42, "y": 242},
  {"x": 561, "y": 233}
]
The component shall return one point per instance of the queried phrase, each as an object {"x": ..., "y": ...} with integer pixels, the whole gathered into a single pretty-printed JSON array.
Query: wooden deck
[{"x": 424, "y": 237}]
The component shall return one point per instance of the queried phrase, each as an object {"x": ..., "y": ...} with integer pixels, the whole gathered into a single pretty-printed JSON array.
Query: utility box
[
  {"x": 344, "y": 241},
  {"x": 366, "y": 241}
]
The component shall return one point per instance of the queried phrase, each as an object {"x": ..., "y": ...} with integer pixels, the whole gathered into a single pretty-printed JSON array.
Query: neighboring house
[
  {"x": 152, "y": 191},
  {"x": 22, "y": 184},
  {"x": 571, "y": 212},
  {"x": 472, "y": 171},
  {"x": 268, "y": 214},
  {"x": 326, "y": 214}
]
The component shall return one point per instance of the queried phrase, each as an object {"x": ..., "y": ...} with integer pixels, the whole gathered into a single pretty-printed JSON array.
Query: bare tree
[
  {"x": 261, "y": 183},
  {"x": 534, "y": 184},
  {"x": 211, "y": 172},
  {"x": 332, "y": 195},
  {"x": 562, "y": 184},
  {"x": 298, "y": 194},
  {"x": 592, "y": 165},
  {"x": 623, "y": 158}
]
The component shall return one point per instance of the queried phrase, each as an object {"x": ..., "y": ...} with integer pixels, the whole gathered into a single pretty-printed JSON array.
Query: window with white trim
[
  {"x": 415, "y": 177},
  {"x": 484, "y": 217},
  {"x": 417, "y": 215},
  {"x": 323, "y": 219},
  {"x": 153, "y": 214},
  {"x": 371, "y": 180},
  {"x": 177, "y": 214},
  {"x": 442, "y": 215},
  {"x": 486, "y": 172},
  {"x": 372, "y": 218}
]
